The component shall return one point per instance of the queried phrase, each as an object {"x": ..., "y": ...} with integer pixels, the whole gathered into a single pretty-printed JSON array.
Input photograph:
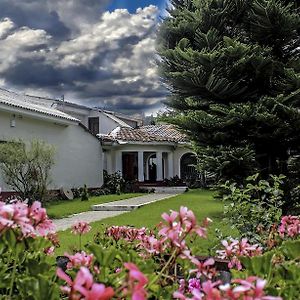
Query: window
[{"x": 94, "y": 125}]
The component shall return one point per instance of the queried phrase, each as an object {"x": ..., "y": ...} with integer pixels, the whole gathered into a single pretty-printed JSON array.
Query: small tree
[{"x": 27, "y": 169}]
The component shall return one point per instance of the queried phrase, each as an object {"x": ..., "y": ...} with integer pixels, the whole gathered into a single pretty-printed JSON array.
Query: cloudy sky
[{"x": 95, "y": 52}]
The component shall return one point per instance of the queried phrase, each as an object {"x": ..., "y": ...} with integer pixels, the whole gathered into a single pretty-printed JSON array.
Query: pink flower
[
  {"x": 15, "y": 216},
  {"x": 124, "y": 232},
  {"x": 83, "y": 285},
  {"x": 251, "y": 288},
  {"x": 290, "y": 226},
  {"x": 238, "y": 248},
  {"x": 194, "y": 284},
  {"x": 180, "y": 295},
  {"x": 49, "y": 251},
  {"x": 39, "y": 219},
  {"x": 170, "y": 218},
  {"x": 80, "y": 259},
  {"x": 136, "y": 282},
  {"x": 181, "y": 285},
  {"x": 98, "y": 292},
  {"x": 80, "y": 228},
  {"x": 211, "y": 291},
  {"x": 21, "y": 220},
  {"x": 177, "y": 227},
  {"x": 204, "y": 268},
  {"x": 152, "y": 245},
  {"x": 31, "y": 221},
  {"x": 6, "y": 213}
]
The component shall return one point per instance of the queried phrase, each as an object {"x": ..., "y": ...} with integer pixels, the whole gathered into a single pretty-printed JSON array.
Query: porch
[{"x": 150, "y": 166}]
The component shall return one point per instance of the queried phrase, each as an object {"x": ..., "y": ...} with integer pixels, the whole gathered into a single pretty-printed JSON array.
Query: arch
[{"x": 188, "y": 162}]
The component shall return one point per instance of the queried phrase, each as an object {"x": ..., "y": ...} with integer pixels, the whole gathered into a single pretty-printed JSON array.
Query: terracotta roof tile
[{"x": 146, "y": 134}]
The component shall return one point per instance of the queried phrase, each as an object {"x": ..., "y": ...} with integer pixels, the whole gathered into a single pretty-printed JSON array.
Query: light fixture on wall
[{"x": 13, "y": 121}]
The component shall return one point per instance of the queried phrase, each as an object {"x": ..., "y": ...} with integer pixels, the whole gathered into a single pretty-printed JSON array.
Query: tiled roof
[
  {"x": 28, "y": 103},
  {"x": 146, "y": 134},
  {"x": 165, "y": 131}
]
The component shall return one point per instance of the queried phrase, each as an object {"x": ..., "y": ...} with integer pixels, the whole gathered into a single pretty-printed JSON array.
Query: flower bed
[{"x": 138, "y": 263}]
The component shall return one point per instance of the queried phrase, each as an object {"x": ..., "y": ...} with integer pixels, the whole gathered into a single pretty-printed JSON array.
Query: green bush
[
  {"x": 255, "y": 207},
  {"x": 26, "y": 168},
  {"x": 84, "y": 193},
  {"x": 113, "y": 182},
  {"x": 278, "y": 267}
]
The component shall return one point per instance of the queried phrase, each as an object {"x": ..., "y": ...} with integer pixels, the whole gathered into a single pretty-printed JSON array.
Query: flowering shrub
[
  {"x": 124, "y": 232},
  {"x": 114, "y": 267},
  {"x": 235, "y": 249},
  {"x": 251, "y": 288},
  {"x": 80, "y": 228},
  {"x": 260, "y": 201},
  {"x": 26, "y": 221},
  {"x": 289, "y": 226},
  {"x": 26, "y": 238},
  {"x": 79, "y": 259},
  {"x": 83, "y": 286}
]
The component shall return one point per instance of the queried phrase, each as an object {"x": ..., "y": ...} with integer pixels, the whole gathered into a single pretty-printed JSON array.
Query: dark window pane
[{"x": 94, "y": 125}]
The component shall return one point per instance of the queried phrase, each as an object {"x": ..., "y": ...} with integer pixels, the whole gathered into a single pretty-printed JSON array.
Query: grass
[
  {"x": 200, "y": 201},
  {"x": 61, "y": 209}
]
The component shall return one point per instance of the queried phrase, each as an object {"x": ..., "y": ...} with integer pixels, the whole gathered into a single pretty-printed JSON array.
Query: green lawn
[
  {"x": 200, "y": 201},
  {"x": 65, "y": 208}
]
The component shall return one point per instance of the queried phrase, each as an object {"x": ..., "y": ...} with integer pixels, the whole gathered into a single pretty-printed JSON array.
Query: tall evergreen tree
[{"x": 233, "y": 71}]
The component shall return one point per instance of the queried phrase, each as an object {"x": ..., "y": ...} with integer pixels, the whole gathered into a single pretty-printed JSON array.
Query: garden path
[{"x": 110, "y": 209}]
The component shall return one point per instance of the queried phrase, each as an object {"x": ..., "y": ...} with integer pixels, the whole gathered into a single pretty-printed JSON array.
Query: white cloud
[
  {"x": 6, "y": 25},
  {"x": 78, "y": 14},
  {"x": 19, "y": 43},
  {"x": 109, "y": 62},
  {"x": 106, "y": 34}
]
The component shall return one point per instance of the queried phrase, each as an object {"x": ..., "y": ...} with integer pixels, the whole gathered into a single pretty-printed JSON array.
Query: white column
[
  {"x": 170, "y": 165},
  {"x": 140, "y": 166},
  {"x": 108, "y": 162},
  {"x": 159, "y": 167},
  {"x": 119, "y": 165},
  {"x": 146, "y": 168}
]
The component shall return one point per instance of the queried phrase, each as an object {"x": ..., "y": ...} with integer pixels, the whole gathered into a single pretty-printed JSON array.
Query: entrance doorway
[
  {"x": 152, "y": 167},
  {"x": 130, "y": 165}
]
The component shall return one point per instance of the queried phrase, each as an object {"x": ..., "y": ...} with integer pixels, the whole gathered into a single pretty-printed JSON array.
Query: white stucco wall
[
  {"x": 78, "y": 158},
  {"x": 106, "y": 124},
  {"x": 81, "y": 114}
]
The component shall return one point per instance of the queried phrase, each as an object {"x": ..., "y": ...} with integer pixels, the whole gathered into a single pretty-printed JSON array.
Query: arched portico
[
  {"x": 136, "y": 162},
  {"x": 187, "y": 166},
  {"x": 151, "y": 167}
]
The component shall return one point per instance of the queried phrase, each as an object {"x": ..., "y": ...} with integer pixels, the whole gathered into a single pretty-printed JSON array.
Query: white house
[
  {"x": 78, "y": 152},
  {"x": 148, "y": 153},
  {"x": 90, "y": 140},
  {"x": 144, "y": 153}
]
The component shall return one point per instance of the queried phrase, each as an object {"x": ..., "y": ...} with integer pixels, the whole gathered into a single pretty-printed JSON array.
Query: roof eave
[
  {"x": 37, "y": 115},
  {"x": 124, "y": 142}
]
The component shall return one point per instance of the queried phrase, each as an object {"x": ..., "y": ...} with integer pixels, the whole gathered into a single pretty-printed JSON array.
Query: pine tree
[{"x": 233, "y": 71}]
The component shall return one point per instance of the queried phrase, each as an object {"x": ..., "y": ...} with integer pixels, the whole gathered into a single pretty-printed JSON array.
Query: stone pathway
[
  {"x": 131, "y": 203},
  {"x": 112, "y": 209}
]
